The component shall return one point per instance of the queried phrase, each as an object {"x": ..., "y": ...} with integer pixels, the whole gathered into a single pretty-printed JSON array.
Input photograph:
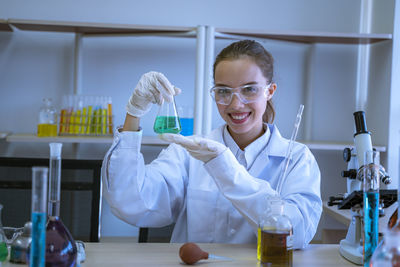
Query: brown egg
[{"x": 191, "y": 253}]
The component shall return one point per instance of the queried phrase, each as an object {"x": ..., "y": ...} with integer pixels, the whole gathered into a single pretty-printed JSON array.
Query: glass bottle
[
  {"x": 276, "y": 236},
  {"x": 61, "y": 248},
  {"x": 387, "y": 254},
  {"x": 47, "y": 125},
  {"x": 167, "y": 120},
  {"x": 3, "y": 244},
  {"x": 39, "y": 201},
  {"x": 370, "y": 178},
  {"x": 20, "y": 246}
]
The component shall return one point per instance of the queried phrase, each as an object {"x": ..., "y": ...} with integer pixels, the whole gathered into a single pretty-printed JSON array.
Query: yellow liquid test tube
[
  {"x": 89, "y": 120},
  {"x": 98, "y": 121},
  {"x": 103, "y": 121},
  {"x": 84, "y": 121},
  {"x": 62, "y": 121},
  {"x": 93, "y": 128},
  {"x": 71, "y": 129},
  {"x": 78, "y": 121},
  {"x": 110, "y": 123}
]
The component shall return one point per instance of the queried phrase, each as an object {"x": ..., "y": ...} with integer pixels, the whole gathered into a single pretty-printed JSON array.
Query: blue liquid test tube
[{"x": 37, "y": 255}]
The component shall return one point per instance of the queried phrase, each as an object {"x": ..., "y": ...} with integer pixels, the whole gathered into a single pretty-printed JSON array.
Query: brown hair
[{"x": 261, "y": 57}]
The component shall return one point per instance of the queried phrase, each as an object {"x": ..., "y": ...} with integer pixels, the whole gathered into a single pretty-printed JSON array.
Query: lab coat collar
[{"x": 277, "y": 145}]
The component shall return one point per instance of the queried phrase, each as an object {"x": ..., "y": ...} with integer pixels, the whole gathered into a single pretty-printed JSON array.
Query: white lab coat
[{"x": 219, "y": 201}]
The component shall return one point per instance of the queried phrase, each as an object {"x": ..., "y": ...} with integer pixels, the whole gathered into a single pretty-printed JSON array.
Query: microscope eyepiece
[{"x": 361, "y": 124}]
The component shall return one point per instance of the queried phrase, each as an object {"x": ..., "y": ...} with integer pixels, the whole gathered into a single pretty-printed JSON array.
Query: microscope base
[{"x": 351, "y": 252}]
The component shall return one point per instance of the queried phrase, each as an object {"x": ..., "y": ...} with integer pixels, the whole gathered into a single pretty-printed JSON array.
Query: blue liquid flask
[{"x": 39, "y": 202}]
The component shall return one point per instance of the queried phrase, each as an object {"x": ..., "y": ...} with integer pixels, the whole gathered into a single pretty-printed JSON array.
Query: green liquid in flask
[{"x": 167, "y": 124}]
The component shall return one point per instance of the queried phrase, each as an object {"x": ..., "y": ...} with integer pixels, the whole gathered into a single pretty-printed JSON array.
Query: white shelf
[
  {"x": 309, "y": 37},
  {"x": 90, "y": 28},
  {"x": 4, "y": 26},
  {"x": 31, "y": 138},
  {"x": 154, "y": 140},
  {"x": 330, "y": 146}
]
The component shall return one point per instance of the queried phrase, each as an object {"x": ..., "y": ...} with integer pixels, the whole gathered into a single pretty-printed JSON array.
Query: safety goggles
[{"x": 246, "y": 93}]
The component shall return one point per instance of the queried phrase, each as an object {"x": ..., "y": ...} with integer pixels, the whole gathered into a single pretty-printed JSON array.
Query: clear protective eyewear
[{"x": 246, "y": 93}]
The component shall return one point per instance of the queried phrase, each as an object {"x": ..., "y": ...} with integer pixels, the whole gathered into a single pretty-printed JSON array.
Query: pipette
[
  {"x": 190, "y": 253},
  {"x": 289, "y": 150}
]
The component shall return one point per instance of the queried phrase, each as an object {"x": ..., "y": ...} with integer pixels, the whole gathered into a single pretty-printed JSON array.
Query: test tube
[{"x": 39, "y": 203}]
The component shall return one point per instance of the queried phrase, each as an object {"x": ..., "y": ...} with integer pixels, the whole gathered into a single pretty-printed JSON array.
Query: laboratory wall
[{"x": 34, "y": 65}]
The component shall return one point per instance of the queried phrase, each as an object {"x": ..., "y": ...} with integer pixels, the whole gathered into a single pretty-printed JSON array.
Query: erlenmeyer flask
[
  {"x": 61, "y": 248},
  {"x": 167, "y": 120},
  {"x": 3, "y": 245}
]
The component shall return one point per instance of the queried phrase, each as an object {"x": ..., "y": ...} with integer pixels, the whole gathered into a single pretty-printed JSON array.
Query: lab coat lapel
[{"x": 276, "y": 147}]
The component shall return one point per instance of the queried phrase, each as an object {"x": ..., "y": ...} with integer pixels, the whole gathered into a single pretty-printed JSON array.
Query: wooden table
[{"x": 163, "y": 254}]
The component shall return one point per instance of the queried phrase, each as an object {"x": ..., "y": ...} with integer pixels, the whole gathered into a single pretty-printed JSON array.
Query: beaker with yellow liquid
[
  {"x": 275, "y": 236},
  {"x": 47, "y": 125},
  {"x": 167, "y": 120}
]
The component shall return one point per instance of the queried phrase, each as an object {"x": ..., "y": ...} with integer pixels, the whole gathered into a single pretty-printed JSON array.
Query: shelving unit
[
  {"x": 205, "y": 36},
  {"x": 154, "y": 140},
  {"x": 146, "y": 140},
  {"x": 4, "y": 26}
]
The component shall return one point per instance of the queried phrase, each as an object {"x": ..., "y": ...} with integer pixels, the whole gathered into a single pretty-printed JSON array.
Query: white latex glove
[
  {"x": 153, "y": 87},
  {"x": 200, "y": 148}
]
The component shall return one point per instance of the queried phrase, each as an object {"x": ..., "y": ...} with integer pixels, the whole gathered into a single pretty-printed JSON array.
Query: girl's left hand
[{"x": 200, "y": 148}]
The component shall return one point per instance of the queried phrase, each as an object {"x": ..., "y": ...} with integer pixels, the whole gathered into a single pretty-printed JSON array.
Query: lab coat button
[{"x": 233, "y": 231}]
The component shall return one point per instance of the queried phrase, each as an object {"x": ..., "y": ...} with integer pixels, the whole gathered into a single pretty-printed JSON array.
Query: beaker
[
  {"x": 167, "y": 120},
  {"x": 47, "y": 125},
  {"x": 39, "y": 203},
  {"x": 186, "y": 119},
  {"x": 3, "y": 239}
]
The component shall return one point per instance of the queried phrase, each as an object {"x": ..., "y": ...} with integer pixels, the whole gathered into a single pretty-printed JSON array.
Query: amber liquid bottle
[
  {"x": 276, "y": 233},
  {"x": 393, "y": 222}
]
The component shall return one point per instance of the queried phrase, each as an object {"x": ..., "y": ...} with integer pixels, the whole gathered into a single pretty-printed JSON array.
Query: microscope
[{"x": 351, "y": 247}]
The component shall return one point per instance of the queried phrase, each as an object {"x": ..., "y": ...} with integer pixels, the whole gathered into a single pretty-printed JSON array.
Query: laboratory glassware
[
  {"x": 387, "y": 254},
  {"x": 370, "y": 178},
  {"x": 20, "y": 246},
  {"x": 167, "y": 120},
  {"x": 289, "y": 149},
  {"x": 47, "y": 125},
  {"x": 276, "y": 236},
  {"x": 186, "y": 120},
  {"x": 39, "y": 203},
  {"x": 3, "y": 239},
  {"x": 61, "y": 248}
]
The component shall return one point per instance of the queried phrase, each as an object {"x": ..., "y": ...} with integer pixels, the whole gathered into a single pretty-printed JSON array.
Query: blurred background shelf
[
  {"x": 154, "y": 140},
  {"x": 146, "y": 140}
]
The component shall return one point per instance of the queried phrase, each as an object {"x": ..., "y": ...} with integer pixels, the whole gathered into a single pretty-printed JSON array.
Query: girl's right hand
[{"x": 153, "y": 87}]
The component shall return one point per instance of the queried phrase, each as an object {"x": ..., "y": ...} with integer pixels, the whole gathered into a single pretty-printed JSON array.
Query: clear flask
[
  {"x": 167, "y": 120},
  {"x": 3, "y": 244},
  {"x": 61, "y": 248},
  {"x": 47, "y": 125},
  {"x": 387, "y": 254},
  {"x": 276, "y": 236}
]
